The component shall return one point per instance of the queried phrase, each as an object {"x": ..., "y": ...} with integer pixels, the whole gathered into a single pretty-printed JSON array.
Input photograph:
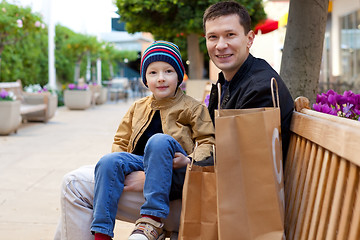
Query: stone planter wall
[
  {"x": 77, "y": 99},
  {"x": 10, "y": 118}
]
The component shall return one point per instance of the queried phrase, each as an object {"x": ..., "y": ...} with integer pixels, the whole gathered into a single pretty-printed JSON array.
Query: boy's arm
[
  {"x": 203, "y": 133},
  {"x": 123, "y": 133}
]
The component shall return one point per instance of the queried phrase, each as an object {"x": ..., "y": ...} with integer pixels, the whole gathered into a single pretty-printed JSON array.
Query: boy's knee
[
  {"x": 109, "y": 162},
  {"x": 159, "y": 140}
]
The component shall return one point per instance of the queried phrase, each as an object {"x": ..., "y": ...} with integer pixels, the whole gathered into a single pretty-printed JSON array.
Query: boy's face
[
  {"x": 227, "y": 43},
  {"x": 162, "y": 79}
]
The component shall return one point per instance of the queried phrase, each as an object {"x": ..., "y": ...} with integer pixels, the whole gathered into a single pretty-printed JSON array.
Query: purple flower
[
  {"x": 347, "y": 110},
  {"x": 331, "y": 92},
  {"x": 71, "y": 86},
  {"x": 82, "y": 87},
  {"x": 3, "y": 94},
  {"x": 346, "y": 105},
  {"x": 6, "y": 96},
  {"x": 332, "y": 100},
  {"x": 321, "y": 98},
  {"x": 348, "y": 94},
  {"x": 324, "y": 108}
]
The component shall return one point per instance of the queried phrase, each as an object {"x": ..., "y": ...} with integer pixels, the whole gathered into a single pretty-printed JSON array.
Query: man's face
[{"x": 227, "y": 44}]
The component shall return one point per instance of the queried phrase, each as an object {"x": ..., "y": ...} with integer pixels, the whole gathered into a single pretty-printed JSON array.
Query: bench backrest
[
  {"x": 14, "y": 87},
  {"x": 322, "y": 187}
]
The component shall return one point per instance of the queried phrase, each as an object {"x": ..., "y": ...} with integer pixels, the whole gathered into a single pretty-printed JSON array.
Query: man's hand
[
  {"x": 134, "y": 182},
  {"x": 180, "y": 160}
]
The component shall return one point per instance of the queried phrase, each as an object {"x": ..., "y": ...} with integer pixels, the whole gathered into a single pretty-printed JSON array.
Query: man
[
  {"x": 244, "y": 79},
  {"x": 245, "y": 82}
]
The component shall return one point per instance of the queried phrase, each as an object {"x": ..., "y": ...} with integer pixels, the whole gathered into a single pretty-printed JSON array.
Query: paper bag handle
[
  {"x": 219, "y": 94},
  {"x": 193, "y": 158},
  {"x": 273, "y": 81}
]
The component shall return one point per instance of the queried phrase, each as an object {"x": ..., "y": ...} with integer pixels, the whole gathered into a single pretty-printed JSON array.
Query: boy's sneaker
[{"x": 147, "y": 229}]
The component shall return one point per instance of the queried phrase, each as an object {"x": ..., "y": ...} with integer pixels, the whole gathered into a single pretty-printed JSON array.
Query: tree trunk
[
  {"x": 196, "y": 58},
  {"x": 301, "y": 60}
]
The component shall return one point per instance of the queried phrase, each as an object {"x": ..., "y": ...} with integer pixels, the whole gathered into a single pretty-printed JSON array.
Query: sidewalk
[{"x": 34, "y": 160}]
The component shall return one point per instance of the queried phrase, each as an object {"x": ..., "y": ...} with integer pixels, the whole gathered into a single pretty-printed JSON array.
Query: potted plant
[
  {"x": 10, "y": 117},
  {"x": 77, "y": 97},
  {"x": 345, "y": 105}
]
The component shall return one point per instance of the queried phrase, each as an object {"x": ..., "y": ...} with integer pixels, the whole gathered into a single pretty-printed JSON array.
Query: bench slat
[
  {"x": 348, "y": 203},
  {"x": 329, "y": 185},
  {"x": 337, "y": 201},
  {"x": 306, "y": 191},
  {"x": 315, "y": 218},
  {"x": 355, "y": 221},
  {"x": 312, "y": 194},
  {"x": 25, "y": 109}
]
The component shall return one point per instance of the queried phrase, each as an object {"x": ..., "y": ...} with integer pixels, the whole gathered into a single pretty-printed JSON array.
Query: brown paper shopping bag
[
  {"x": 249, "y": 173},
  {"x": 198, "y": 219}
]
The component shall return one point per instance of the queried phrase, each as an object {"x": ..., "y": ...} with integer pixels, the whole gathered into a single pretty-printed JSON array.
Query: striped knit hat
[{"x": 165, "y": 52}]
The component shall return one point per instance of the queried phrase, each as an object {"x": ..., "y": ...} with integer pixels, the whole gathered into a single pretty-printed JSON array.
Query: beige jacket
[{"x": 182, "y": 117}]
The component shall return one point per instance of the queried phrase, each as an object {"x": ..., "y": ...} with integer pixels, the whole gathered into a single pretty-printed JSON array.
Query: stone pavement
[{"x": 34, "y": 160}]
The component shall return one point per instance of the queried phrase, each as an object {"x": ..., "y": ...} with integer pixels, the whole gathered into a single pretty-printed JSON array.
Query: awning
[
  {"x": 283, "y": 20},
  {"x": 270, "y": 25},
  {"x": 266, "y": 26}
]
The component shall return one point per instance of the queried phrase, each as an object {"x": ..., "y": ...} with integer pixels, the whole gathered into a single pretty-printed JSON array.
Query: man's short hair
[{"x": 228, "y": 8}]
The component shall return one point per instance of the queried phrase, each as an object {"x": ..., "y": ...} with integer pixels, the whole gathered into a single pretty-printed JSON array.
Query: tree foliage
[
  {"x": 24, "y": 49},
  {"x": 172, "y": 20},
  {"x": 179, "y": 21},
  {"x": 23, "y": 44},
  {"x": 167, "y": 18},
  {"x": 16, "y": 23}
]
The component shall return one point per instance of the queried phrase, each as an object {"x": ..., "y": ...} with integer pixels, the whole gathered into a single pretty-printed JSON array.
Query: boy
[{"x": 157, "y": 136}]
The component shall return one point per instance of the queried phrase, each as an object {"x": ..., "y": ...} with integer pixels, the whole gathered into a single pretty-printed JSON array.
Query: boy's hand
[
  {"x": 180, "y": 160},
  {"x": 134, "y": 182}
]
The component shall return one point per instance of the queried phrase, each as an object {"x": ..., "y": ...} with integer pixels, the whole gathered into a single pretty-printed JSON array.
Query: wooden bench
[
  {"x": 95, "y": 93},
  {"x": 34, "y": 106},
  {"x": 322, "y": 184}
]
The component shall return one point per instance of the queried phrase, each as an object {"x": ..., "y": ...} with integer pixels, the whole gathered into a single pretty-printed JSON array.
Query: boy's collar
[{"x": 166, "y": 102}]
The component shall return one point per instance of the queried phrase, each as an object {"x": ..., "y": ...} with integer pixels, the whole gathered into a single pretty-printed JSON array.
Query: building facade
[{"x": 341, "y": 56}]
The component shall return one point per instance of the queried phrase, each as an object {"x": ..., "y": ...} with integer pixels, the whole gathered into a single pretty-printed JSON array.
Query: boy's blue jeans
[{"x": 162, "y": 182}]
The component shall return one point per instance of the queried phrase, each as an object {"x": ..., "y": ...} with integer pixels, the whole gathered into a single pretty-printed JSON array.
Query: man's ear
[{"x": 250, "y": 36}]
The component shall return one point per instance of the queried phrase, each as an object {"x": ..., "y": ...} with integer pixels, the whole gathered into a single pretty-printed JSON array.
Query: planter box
[
  {"x": 10, "y": 118},
  {"x": 77, "y": 99}
]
